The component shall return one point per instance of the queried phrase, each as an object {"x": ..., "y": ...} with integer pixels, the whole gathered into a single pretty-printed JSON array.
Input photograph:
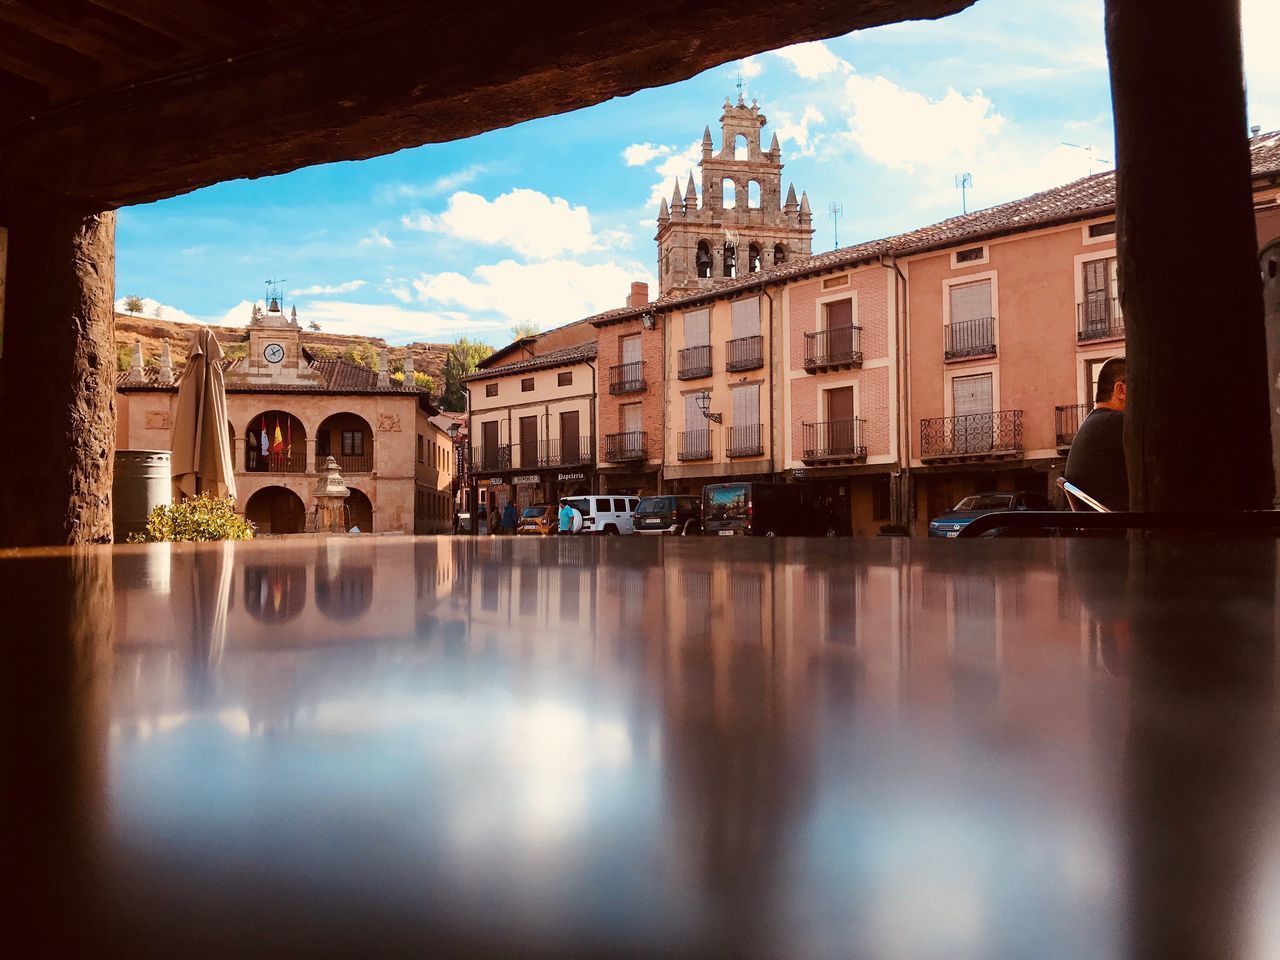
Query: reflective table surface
[{"x": 573, "y": 747}]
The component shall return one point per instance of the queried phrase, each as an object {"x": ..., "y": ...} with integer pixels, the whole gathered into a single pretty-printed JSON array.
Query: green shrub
[{"x": 204, "y": 518}]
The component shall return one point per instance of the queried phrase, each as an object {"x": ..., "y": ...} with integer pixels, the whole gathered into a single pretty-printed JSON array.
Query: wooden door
[
  {"x": 839, "y": 430},
  {"x": 569, "y": 441},
  {"x": 489, "y": 445},
  {"x": 528, "y": 442}
]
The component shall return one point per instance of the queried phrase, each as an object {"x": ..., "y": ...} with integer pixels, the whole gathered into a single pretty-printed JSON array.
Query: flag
[
  {"x": 277, "y": 441},
  {"x": 288, "y": 446},
  {"x": 262, "y": 436}
]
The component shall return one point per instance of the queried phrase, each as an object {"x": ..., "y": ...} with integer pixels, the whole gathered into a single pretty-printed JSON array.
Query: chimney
[{"x": 639, "y": 295}]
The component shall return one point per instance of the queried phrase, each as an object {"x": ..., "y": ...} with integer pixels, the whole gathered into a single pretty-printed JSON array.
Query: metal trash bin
[{"x": 143, "y": 481}]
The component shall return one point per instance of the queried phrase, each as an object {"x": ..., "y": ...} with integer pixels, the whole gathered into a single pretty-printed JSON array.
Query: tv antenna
[
  {"x": 836, "y": 211},
  {"x": 1088, "y": 149},
  {"x": 963, "y": 182}
]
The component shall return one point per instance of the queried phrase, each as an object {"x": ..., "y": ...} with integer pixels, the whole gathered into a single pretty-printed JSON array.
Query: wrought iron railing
[
  {"x": 491, "y": 458},
  {"x": 566, "y": 452},
  {"x": 694, "y": 362},
  {"x": 970, "y": 338},
  {"x": 627, "y": 377},
  {"x": 694, "y": 445},
  {"x": 349, "y": 462},
  {"x": 295, "y": 461},
  {"x": 619, "y": 447},
  {"x": 999, "y": 432},
  {"x": 524, "y": 455},
  {"x": 746, "y": 440},
  {"x": 1099, "y": 318},
  {"x": 745, "y": 353},
  {"x": 1067, "y": 420},
  {"x": 834, "y": 440},
  {"x": 835, "y": 347}
]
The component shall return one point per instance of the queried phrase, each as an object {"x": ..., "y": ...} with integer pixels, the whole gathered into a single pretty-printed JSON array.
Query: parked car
[
  {"x": 605, "y": 515},
  {"x": 538, "y": 519},
  {"x": 766, "y": 510},
  {"x": 958, "y": 517},
  {"x": 681, "y": 516}
]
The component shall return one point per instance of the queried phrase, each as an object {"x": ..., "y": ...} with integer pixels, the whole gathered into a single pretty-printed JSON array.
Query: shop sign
[
  {"x": 494, "y": 481},
  {"x": 526, "y": 478},
  {"x": 798, "y": 474},
  {"x": 571, "y": 476}
]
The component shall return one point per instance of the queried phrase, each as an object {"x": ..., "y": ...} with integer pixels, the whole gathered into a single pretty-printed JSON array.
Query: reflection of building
[{"x": 289, "y": 411}]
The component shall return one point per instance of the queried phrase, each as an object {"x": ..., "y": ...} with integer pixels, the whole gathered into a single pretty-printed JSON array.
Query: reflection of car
[
  {"x": 675, "y": 515},
  {"x": 970, "y": 508},
  {"x": 607, "y": 515},
  {"x": 540, "y": 518},
  {"x": 766, "y": 510}
]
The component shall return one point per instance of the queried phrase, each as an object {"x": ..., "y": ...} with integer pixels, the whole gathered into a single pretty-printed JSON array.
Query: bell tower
[
  {"x": 742, "y": 224},
  {"x": 274, "y": 354}
]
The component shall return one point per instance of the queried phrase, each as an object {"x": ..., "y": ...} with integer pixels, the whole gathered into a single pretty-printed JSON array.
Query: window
[
  {"x": 352, "y": 443},
  {"x": 753, "y": 256},
  {"x": 697, "y": 328},
  {"x": 741, "y": 147},
  {"x": 564, "y": 379},
  {"x": 632, "y": 418},
  {"x": 779, "y": 253},
  {"x": 971, "y": 395},
  {"x": 880, "y": 499},
  {"x": 971, "y": 301},
  {"x": 490, "y": 389},
  {"x": 693, "y": 418},
  {"x": 526, "y": 385},
  {"x": 421, "y": 458},
  {"x": 730, "y": 260},
  {"x": 746, "y": 405},
  {"x": 753, "y": 194},
  {"x": 1106, "y": 229},
  {"x": 744, "y": 318},
  {"x": 968, "y": 256},
  {"x": 728, "y": 193},
  {"x": 703, "y": 259}
]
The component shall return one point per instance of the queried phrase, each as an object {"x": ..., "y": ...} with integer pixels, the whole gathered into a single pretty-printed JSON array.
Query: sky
[{"x": 551, "y": 220}]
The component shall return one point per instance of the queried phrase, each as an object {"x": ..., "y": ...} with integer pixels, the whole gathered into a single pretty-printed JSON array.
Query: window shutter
[
  {"x": 971, "y": 395},
  {"x": 631, "y": 419},
  {"x": 631, "y": 349},
  {"x": 697, "y": 328},
  {"x": 693, "y": 419},
  {"x": 745, "y": 317},
  {"x": 746, "y": 405},
  {"x": 840, "y": 314},
  {"x": 971, "y": 301}
]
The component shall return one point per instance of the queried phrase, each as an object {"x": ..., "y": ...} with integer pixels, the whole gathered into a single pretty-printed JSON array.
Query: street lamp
[
  {"x": 647, "y": 320},
  {"x": 462, "y": 472},
  {"x": 703, "y": 400}
]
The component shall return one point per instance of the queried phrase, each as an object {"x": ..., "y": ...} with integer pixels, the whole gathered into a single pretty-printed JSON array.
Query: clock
[{"x": 273, "y": 352}]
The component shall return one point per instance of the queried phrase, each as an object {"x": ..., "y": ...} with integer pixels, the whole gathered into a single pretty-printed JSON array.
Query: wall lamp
[
  {"x": 648, "y": 320},
  {"x": 703, "y": 400}
]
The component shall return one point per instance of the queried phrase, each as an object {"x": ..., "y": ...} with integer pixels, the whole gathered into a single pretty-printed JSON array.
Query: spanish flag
[{"x": 277, "y": 441}]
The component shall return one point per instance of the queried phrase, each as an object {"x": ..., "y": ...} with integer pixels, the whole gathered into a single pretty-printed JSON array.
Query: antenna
[
  {"x": 1088, "y": 149},
  {"x": 963, "y": 182},
  {"x": 837, "y": 211}
]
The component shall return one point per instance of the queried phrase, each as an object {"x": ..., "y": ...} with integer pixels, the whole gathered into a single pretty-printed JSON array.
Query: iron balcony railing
[
  {"x": 1067, "y": 420},
  {"x": 620, "y": 447},
  {"x": 744, "y": 441},
  {"x": 491, "y": 458},
  {"x": 745, "y": 353},
  {"x": 524, "y": 455},
  {"x": 834, "y": 440},
  {"x": 970, "y": 338},
  {"x": 566, "y": 452},
  {"x": 1099, "y": 318},
  {"x": 694, "y": 445},
  {"x": 348, "y": 462},
  {"x": 294, "y": 461},
  {"x": 694, "y": 362},
  {"x": 627, "y": 377},
  {"x": 836, "y": 347},
  {"x": 975, "y": 434}
]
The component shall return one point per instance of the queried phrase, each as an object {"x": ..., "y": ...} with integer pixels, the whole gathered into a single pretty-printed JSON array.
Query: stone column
[
  {"x": 1197, "y": 431},
  {"x": 58, "y": 372}
]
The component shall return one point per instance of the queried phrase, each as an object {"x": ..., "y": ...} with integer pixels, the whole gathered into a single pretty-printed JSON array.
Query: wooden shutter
[
  {"x": 745, "y": 317},
  {"x": 840, "y": 404},
  {"x": 693, "y": 419},
  {"x": 971, "y": 301},
  {"x": 746, "y": 405},
  {"x": 632, "y": 421},
  {"x": 971, "y": 395},
  {"x": 697, "y": 328},
  {"x": 840, "y": 314},
  {"x": 631, "y": 349}
]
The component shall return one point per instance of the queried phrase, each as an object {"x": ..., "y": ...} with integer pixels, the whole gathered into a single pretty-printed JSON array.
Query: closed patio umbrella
[{"x": 201, "y": 448}]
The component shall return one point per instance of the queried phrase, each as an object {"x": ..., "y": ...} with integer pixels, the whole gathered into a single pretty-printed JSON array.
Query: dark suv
[{"x": 680, "y": 516}]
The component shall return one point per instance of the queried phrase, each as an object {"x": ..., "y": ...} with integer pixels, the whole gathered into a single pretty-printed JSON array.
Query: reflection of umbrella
[
  {"x": 201, "y": 450},
  {"x": 210, "y": 580}
]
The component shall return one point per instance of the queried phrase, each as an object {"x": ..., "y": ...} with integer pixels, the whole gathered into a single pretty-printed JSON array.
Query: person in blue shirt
[
  {"x": 509, "y": 519},
  {"x": 566, "y": 518}
]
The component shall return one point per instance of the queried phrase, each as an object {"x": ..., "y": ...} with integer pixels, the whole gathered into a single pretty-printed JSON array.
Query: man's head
[{"x": 1111, "y": 386}]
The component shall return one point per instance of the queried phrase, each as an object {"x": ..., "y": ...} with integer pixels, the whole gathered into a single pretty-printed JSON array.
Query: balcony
[
  {"x": 350, "y": 462},
  {"x": 834, "y": 441},
  {"x": 694, "y": 362},
  {"x": 744, "y": 441},
  {"x": 976, "y": 436},
  {"x": 488, "y": 459},
  {"x": 293, "y": 462},
  {"x": 566, "y": 452},
  {"x": 1099, "y": 319},
  {"x": 966, "y": 339},
  {"x": 834, "y": 349},
  {"x": 694, "y": 445},
  {"x": 622, "y": 447},
  {"x": 627, "y": 377},
  {"x": 1067, "y": 421},
  {"x": 745, "y": 353}
]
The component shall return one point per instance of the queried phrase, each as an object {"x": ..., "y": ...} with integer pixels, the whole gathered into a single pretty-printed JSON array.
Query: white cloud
[
  {"x": 392, "y": 323},
  {"x": 402, "y": 293},
  {"x": 811, "y": 60},
  {"x": 614, "y": 239},
  {"x": 446, "y": 183},
  {"x": 238, "y": 316},
  {"x": 167, "y": 312},
  {"x": 639, "y": 154},
  {"x": 550, "y": 293},
  {"x": 320, "y": 288},
  {"x": 376, "y": 238},
  {"x": 529, "y": 222},
  {"x": 751, "y": 68},
  {"x": 193, "y": 251},
  {"x": 797, "y": 131},
  {"x": 1260, "y": 23}
]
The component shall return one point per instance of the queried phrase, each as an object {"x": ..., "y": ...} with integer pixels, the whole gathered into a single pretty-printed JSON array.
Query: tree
[
  {"x": 159, "y": 311},
  {"x": 525, "y": 328},
  {"x": 362, "y": 355},
  {"x": 460, "y": 359},
  {"x": 133, "y": 305},
  {"x": 423, "y": 381},
  {"x": 314, "y": 326}
]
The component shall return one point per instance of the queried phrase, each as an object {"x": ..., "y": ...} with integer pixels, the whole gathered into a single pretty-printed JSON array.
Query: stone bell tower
[
  {"x": 274, "y": 354},
  {"x": 742, "y": 224}
]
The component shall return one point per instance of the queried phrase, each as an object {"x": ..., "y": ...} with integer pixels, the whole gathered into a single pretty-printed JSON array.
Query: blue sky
[{"x": 551, "y": 220}]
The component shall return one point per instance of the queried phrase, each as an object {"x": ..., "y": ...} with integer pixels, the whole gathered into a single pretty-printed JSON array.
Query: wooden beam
[
  {"x": 414, "y": 73},
  {"x": 91, "y": 37},
  {"x": 43, "y": 61},
  {"x": 192, "y": 22}
]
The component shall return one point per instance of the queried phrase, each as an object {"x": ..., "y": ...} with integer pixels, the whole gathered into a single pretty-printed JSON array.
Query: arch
[
  {"x": 276, "y": 510},
  {"x": 741, "y": 147},
  {"x": 359, "y": 511},
  {"x": 703, "y": 259},
  {"x": 779, "y": 253},
  {"x": 730, "y": 260},
  {"x": 728, "y": 194},
  {"x": 753, "y": 194},
  {"x": 753, "y": 258},
  {"x": 276, "y": 592},
  {"x": 348, "y": 438},
  {"x": 288, "y": 455},
  {"x": 344, "y": 590}
]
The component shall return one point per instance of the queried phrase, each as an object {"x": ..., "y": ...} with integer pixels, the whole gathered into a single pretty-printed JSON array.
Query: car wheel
[{"x": 610, "y": 531}]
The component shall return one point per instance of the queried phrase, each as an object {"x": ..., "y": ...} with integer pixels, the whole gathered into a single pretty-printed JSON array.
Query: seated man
[{"x": 1096, "y": 462}]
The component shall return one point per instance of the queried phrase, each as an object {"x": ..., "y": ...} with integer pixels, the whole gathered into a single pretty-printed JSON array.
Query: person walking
[
  {"x": 494, "y": 520},
  {"x": 566, "y": 519},
  {"x": 1096, "y": 461},
  {"x": 509, "y": 517}
]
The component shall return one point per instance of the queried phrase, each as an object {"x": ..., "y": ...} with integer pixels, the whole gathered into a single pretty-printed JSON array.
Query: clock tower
[{"x": 275, "y": 348}]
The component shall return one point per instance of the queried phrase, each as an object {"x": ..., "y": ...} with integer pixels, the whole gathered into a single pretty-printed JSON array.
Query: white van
[{"x": 607, "y": 515}]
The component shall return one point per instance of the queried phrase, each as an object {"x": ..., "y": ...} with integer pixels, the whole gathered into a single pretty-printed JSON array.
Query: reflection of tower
[{"x": 742, "y": 224}]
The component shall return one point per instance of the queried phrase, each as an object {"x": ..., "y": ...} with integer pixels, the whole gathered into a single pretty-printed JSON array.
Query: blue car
[{"x": 954, "y": 520}]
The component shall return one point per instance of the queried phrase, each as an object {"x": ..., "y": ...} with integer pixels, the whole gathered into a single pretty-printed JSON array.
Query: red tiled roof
[
  {"x": 555, "y": 358},
  {"x": 339, "y": 376}
]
